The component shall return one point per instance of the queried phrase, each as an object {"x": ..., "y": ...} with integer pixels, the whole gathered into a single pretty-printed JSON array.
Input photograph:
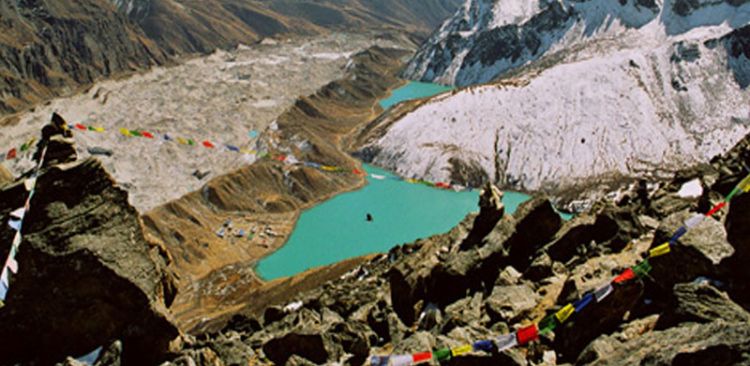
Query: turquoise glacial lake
[
  {"x": 402, "y": 212},
  {"x": 413, "y": 90}
]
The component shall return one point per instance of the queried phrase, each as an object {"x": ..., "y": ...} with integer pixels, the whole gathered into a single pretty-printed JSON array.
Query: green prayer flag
[
  {"x": 548, "y": 324},
  {"x": 91, "y": 128},
  {"x": 191, "y": 142},
  {"x": 443, "y": 354},
  {"x": 642, "y": 269},
  {"x": 732, "y": 194},
  {"x": 24, "y": 147},
  {"x": 135, "y": 133}
]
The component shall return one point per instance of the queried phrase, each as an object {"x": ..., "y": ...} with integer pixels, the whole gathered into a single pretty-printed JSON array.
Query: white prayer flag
[
  {"x": 506, "y": 341},
  {"x": 29, "y": 184},
  {"x": 694, "y": 221},
  {"x": 603, "y": 292}
]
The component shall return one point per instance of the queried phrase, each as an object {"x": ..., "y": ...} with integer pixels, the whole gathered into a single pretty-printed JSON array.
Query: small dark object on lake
[{"x": 369, "y": 217}]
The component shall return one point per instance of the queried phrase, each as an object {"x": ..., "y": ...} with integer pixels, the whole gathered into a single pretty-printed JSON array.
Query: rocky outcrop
[
  {"x": 52, "y": 48},
  {"x": 436, "y": 293},
  {"x": 87, "y": 275},
  {"x": 5, "y": 176}
]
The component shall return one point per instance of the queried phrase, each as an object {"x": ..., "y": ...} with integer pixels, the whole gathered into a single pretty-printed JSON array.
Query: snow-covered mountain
[
  {"x": 590, "y": 91},
  {"x": 488, "y": 38}
]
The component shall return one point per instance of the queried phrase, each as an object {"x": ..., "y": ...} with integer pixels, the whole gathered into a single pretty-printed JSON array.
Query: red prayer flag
[
  {"x": 208, "y": 144},
  {"x": 11, "y": 154},
  {"x": 281, "y": 157},
  {"x": 442, "y": 185},
  {"x": 528, "y": 334},
  {"x": 81, "y": 127},
  {"x": 716, "y": 208},
  {"x": 626, "y": 275},
  {"x": 421, "y": 357},
  {"x": 357, "y": 171},
  {"x": 147, "y": 134}
]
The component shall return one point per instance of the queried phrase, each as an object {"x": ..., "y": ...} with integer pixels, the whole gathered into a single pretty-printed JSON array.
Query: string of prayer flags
[
  {"x": 401, "y": 360},
  {"x": 660, "y": 250}
]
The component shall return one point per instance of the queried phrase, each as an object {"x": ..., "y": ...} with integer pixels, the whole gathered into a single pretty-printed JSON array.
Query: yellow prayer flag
[
  {"x": 99, "y": 129},
  {"x": 565, "y": 313},
  {"x": 125, "y": 131},
  {"x": 182, "y": 141},
  {"x": 328, "y": 168},
  {"x": 462, "y": 350},
  {"x": 660, "y": 250},
  {"x": 745, "y": 184},
  {"x": 409, "y": 180}
]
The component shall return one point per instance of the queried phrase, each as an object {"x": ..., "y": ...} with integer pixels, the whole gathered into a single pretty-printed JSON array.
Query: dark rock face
[
  {"x": 52, "y": 46},
  {"x": 701, "y": 303},
  {"x": 491, "y": 210},
  {"x": 87, "y": 275}
]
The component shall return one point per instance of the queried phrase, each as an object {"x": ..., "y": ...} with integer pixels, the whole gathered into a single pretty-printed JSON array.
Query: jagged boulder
[
  {"x": 510, "y": 303},
  {"x": 87, "y": 274},
  {"x": 491, "y": 210},
  {"x": 701, "y": 303},
  {"x": 697, "y": 253},
  {"x": 717, "y": 343}
]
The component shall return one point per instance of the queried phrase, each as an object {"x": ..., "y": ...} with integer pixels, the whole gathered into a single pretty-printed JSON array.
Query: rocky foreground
[{"x": 104, "y": 284}]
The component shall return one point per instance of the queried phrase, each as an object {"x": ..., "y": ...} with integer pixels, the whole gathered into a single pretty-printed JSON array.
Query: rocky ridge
[
  {"x": 615, "y": 92},
  {"x": 462, "y": 286},
  {"x": 87, "y": 275}
]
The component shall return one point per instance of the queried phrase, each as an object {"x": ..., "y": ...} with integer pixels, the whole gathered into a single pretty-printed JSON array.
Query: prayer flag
[
  {"x": 379, "y": 360},
  {"x": 167, "y": 137},
  {"x": 378, "y": 177},
  {"x": 548, "y": 324},
  {"x": 16, "y": 241},
  {"x": 136, "y": 133},
  {"x": 11, "y": 154},
  {"x": 506, "y": 341},
  {"x": 3, "y": 290},
  {"x": 357, "y": 171},
  {"x": 99, "y": 129},
  {"x": 485, "y": 345},
  {"x": 24, "y": 147},
  {"x": 745, "y": 184},
  {"x": 603, "y": 292},
  {"x": 732, "y": 194},
  {"x": 232, "y": 148},
  {"x": 716, "y": 208},
  {"x": 29, "y": 184},
  {"x": 91, "y": 128},
  {"x": 565, "y": 313},
  {"x": 81, "y": 127},
  {"x": 15, "y": 224},
  {"x": 182, "y": 141},
  {"x": 18, "y": 213},
  {"x": 253, "y": 134},
  {"x": 443, "y": 185},
  {"x": 208, "y": 144},
  {"x": 642, "y": 269},
  {"x": 12, "y": 264},
  {"x": 147, "y": 134},
  {"x": 461, "y": 350},
  {"x": 694, "y": 221},
  {"x": 677, "y": 235},
  {"x": 4, "y": 279},
  {"x": 280, "y": 158},
  {"x": 625, "y": 276},
  {"x": 191, "y": 142},
  {"x": 442, "y": 354},
  {"x": 421, "y": 357},
  {"x": 125, "y": 132},
  {"x": 583, "y": 302},
  {"x": 660, "y": 250},
  {"x": 401, "y": 360},
  {"x": 527, "y": 334}
]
